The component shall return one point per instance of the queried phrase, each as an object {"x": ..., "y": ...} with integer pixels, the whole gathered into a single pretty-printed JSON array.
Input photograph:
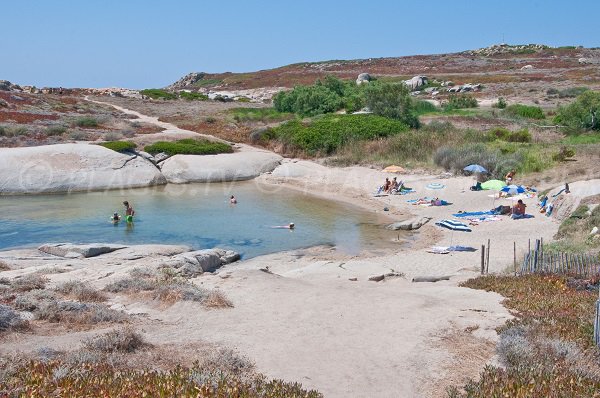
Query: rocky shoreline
[{"x": 64, "y": 168}]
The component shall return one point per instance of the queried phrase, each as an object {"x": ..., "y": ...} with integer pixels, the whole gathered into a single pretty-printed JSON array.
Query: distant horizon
[{"x": 149, "y": 44}]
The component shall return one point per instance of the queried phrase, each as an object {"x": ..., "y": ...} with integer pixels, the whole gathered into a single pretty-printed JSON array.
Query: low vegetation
[
  {"x": 498, "y": 158},
  {"x": 156, "y": 93},
  {"x": 325, "y": 134},
  {"x": 576, "y": 228},
  {"x": 459, "y": 101},
  {"x": 525, "y": 111},
  {"x": 166, "y": 287},
  {"x": 189, "y": 147},
  {"x": 264, "y": 115},
  {"x": 86, "y": 122},
  {"x": 10, "y": 320},
  {"x": 502, "y": 134},
  {"x": 548, "y": 349},
  {"x": 193, "y": 96},
  {"x": 117, "y": 340},
  {"x": 81, "y": 291},
  {"x": 119, "y": 146},
  {"x": 56, "y": 378}
]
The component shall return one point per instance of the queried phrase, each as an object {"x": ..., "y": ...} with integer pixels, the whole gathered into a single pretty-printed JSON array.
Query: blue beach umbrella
[
  {"x": 475, "y": 168},
  {"x": 513, "y": 189}
]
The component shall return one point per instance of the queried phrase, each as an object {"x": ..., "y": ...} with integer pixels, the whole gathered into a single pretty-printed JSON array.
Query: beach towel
[
  {"x": 466, "y": 214},
  {"x": 521, "y": 216},
  {"x": 403, "y": 192},
  {"x": 454, "y": 225},
  {"x": 459, "y": 248},
  {"x": 438, "y": 250}
]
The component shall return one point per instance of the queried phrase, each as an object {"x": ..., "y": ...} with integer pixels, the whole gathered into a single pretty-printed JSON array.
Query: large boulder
[
  {"x": 416, "y": 82},
  {"x": 409, "y": 225},
  {"x": 69, "y": 250},
  {"x": 363, "y": 78},
  {"x": 72, "y": 167},
  {"x": 192, "y": 264},
  {"x": 237, "y": 166}
]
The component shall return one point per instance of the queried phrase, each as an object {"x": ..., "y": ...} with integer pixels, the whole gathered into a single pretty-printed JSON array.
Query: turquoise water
[{"x": 198, "y": 215}]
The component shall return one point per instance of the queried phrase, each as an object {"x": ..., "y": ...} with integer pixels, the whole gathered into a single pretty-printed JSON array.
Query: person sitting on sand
[
  {"x": 232, "y": 200},
  {"x": 289, "y": 226},
  {"x": 509, "y": 177},
  {"x": 518, "y": 210},
  {"x": 129, "y": 212},
  {"x": 387, "y": 185},
  {"x": 394, "y": 185}
]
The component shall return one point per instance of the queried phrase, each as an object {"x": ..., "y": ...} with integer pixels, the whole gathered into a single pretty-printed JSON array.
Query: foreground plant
[
  {"x": 54, "y": 378},
  {"x": 547, "y": 350}
]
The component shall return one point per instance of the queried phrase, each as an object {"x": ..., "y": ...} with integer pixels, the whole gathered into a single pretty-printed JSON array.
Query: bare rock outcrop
[
  {"x": 192, "y": 264},
  {"x": 70, "y": 250},
  {"x": 409, "y": 225},
  {"x": 72, "y": 167},
  {"x": 219, "y": 168}
]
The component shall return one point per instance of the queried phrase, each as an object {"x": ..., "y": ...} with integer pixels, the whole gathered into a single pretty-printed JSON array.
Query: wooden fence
[{"x": 580, "y": 265}]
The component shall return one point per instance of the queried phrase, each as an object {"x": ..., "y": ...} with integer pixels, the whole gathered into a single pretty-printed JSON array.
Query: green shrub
[
  {"x": 55, "y": 130},
  {"x": 502, "y": 134},
  {"x": 156, "y": 93},
  {"x": 189, "y": 147},
  {"x": 582, "y": 114},
  {"x": 499, "y": 158},
  {"x": 307, "y": 100},
  {"x": 564, "y": 154},
  {"x": 119, "y": 146},
  {"x": 265, "y": 115},
  {"x": 572, "y": 92},
  {"x": 501, "y": 104},
  {"x": 526, "y": 111},
  {"x": 193, "y": 96},
  {"x": 462, "y": 101},
  {"x": 326, "y": 134},
  {"x": 325, "y": 96},
  {"x": 86, "y": 121},
  {"x": 392, "y": 101},
  {"x": 421, "y": 107}
]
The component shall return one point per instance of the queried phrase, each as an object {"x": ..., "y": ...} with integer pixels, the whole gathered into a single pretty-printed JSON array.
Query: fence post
[
  {"x": 597, "y": 324},
  {"x": 515, "y": 257},
  {"x": 487, "y": 267},
  {"x": 482, "y": 259}
]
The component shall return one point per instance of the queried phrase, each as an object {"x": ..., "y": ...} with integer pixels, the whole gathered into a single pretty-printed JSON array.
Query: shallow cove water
[{"x": 198, "y": 215}]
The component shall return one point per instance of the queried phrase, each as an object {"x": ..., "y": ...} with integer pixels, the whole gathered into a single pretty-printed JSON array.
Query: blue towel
[{"x": 474, "y": 214}]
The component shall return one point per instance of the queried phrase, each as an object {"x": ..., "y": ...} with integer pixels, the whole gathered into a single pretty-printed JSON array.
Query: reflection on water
[{"x": 198, "y": 215}]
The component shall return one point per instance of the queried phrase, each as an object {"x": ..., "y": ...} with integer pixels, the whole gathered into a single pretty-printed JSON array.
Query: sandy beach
[{"x": 313, "y": 315}]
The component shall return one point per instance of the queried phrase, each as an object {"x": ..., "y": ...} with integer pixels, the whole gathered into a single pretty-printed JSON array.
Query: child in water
[{"x": 115, "y": 218}]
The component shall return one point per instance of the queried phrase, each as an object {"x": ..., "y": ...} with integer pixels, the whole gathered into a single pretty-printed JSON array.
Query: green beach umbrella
[{"x": 493, "y": 185}]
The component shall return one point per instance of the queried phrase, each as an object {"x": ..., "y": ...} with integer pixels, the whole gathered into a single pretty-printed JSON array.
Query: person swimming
[
  {"x": 289, "y": 226},
  {"x": 233, "y": 200},
  {"x": 115, "y": 218}
]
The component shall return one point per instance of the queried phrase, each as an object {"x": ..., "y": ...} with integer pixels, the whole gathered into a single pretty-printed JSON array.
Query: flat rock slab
[
  {"x": 72, "y": 167},
  {"x": 409, "y": 225},
  {"x": 219, "y": 168},
  {"x": 69, "y": 250}
]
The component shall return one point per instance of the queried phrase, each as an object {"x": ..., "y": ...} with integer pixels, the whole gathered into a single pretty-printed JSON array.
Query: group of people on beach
[{"x": 391, "y": 187}]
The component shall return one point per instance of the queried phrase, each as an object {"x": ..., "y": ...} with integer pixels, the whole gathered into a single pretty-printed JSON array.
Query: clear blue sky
[{"x": 150, "y": 43}]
